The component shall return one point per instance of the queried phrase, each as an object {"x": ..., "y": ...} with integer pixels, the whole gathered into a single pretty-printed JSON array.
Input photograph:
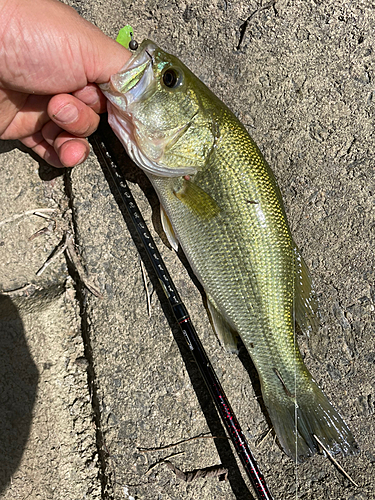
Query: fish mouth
[
  {"x": 134, "y": 83},
  {"x": 136, "y": 76}
]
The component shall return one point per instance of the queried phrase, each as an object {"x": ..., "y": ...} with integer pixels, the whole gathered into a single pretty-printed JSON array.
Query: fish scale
[
  {"x": 240, "y": 236},
  {"x": 221, "y": 203}
]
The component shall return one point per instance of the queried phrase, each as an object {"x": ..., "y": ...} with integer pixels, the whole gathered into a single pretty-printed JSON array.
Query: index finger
[{"x": 93, "y": 97}]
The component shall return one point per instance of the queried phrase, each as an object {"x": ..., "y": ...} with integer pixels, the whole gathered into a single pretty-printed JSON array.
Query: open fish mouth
[{"x": 137, "y": 75}]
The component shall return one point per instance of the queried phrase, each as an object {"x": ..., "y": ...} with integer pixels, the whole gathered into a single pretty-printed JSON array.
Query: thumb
[
  {"x": 63, "y": 52},
  {"x": 102, "y": 56}
]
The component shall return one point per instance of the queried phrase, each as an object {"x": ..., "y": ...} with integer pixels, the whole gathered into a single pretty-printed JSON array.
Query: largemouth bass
[{"x": 221, "y": 203}]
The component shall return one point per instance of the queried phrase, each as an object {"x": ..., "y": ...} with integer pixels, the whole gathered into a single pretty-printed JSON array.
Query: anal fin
[{"x": 226, "y": 335}]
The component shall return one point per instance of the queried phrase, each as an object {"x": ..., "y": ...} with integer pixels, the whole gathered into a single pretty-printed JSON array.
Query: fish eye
[{"x": 172, "y": 78}]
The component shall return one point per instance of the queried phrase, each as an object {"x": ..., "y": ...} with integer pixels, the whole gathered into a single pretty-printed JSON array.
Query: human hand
[{"x": 50, "y": 62}]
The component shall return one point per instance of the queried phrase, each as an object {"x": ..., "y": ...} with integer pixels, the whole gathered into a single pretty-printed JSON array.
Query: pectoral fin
[
  {"x": 226, "y": 335},
  {"x": 305, "y": 301},
  {"x": 168, "y": 229},
  {"x": 197, "y": 200}
]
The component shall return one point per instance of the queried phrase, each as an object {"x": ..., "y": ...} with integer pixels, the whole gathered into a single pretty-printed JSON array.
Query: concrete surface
[
  {"x": 47, "y": 434},
  {"x": 300, "y": 75}
]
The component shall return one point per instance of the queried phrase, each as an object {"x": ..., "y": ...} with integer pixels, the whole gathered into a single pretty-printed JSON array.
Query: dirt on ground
[{"x": 99, "y": 392}]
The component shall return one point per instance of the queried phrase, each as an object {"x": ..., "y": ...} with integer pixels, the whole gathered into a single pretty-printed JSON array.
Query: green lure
[{"x": 125, "y": 36}]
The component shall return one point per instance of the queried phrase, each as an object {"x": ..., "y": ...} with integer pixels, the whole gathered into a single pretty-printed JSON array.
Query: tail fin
[{"x": 315, "y": 416}]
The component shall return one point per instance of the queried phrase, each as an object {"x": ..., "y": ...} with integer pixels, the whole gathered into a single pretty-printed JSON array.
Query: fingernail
[
  {"x": 82, "y": 159},
  {"x": 67, "y": 114},
  {"x": 90, "y": 97}
]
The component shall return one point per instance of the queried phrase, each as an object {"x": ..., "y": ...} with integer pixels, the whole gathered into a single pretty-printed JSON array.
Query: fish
[{"x": 221, "y": 204}]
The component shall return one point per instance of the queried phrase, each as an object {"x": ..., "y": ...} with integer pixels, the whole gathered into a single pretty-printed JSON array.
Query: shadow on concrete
[
  {"x": 134, "y": 174},
  {"x": 18, "y": 386},
  {"x": 46, "y": 171},
  {"x": 6, "y": 146}
]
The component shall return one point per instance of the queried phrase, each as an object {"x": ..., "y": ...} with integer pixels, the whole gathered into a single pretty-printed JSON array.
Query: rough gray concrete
[
  {"x": 300, "y": 75},
  {"x": 47, "y": 433}
]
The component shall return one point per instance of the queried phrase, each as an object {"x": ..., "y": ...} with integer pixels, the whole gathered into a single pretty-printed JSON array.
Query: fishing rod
[{"x": 182, "y": 316}]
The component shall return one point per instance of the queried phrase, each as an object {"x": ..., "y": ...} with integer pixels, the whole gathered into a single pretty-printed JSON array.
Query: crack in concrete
[
  {"x": 244, "y": 26},
  {"x": 81, "y": 293}
]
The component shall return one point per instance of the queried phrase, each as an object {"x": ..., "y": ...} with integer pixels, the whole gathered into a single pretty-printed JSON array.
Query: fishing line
[
  {"x": 182, "y": 316},
  {"x": 295, "y": 372}
]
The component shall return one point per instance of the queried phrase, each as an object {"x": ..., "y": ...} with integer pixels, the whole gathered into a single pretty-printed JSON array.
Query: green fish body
[{"x": 221, "y": 203}]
